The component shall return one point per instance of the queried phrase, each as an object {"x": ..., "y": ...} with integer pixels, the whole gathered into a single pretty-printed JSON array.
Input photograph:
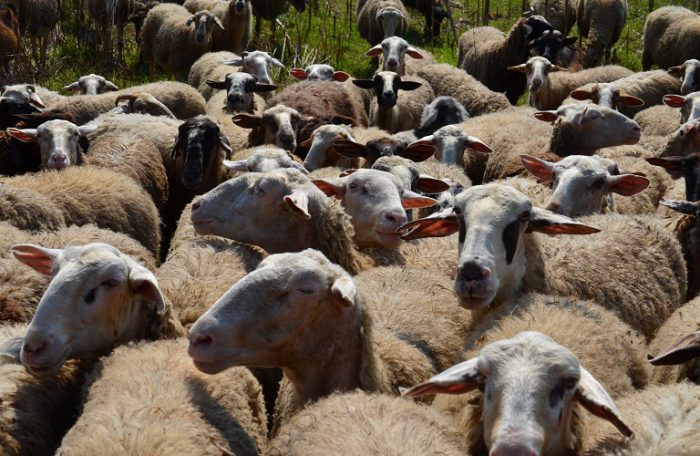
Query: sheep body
[
  {"x": 236, "y": 33},
  {"x": 373, "y": 27},
  {"x": 671, "y": 36},
  {"x": 601, "y": 22}
]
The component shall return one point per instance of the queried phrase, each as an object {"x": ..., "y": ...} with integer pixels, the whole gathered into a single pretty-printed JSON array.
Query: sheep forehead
[
  {"x": 390, "y": 11},
  {"x": 325, "y": 72},
  {"x": 449, "y": 131},
  {"x": 387, "y": 77},
  {"x": 491, "y": 202},
  {"x": 58, "y": 127},
  {"x": 376, "y": 178},
  {"x": 279, "y": 111},
  {"x": 395, "y": 43},
  {"x": 260, "y": 58},
  {"x": 240, "y": 79},
  {"x": 329, "y": 131},
  {"x": 585, "y": 165},
  {"x": 692, "y": 62},
  {"x": 94, "y": 253},
  {"x": 307, "y": 260}
]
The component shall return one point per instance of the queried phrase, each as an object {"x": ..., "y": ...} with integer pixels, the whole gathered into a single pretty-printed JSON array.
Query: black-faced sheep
[
  {"x": 559, "y": 50},
  {"x": 560, "y": 13},
  {"x": 174, "y": 38},
  {"x": 671, "y": 36},
  {"x": 235, "y": 17}
]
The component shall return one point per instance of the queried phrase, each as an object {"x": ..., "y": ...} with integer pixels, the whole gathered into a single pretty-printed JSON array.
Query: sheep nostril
[
  {"x": 34, "y": 351},
  {"x": 201, "y": 341},
  {"x": 196, "y": 205}
]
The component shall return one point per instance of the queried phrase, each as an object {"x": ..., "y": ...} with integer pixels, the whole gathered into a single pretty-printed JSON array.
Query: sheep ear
[
  {"x": 682, "y": 351},
  {"x": 143, "y": 282},
  {"x": 413, "y": 52},
  {"x": 344, "y": 289},
  {"x": 593, "y": 397},
  {"x": 36, "y": 257},
  {"x": 412, "y": 200},
  {"x": 684, "y": 207},
  {"x": 341, "y": 76},
  {"x": 546, "y": 116},
  {"x": 298, "y": 73},
  {"x": 439, "y": 225},
  {"x": 237, "y": 165},
  {"x": 629, "y": 100},
  {"x": 331, "y": 186},
  {"x": 73, "y": 86},
  {"x": 350, "y": 149},
  {"x": 581, "y": 94},
  {"x": 35, "y": 100},
  {"x": 420, "y": 150},
  {"x": 477, "y": 144},
  {"x": 85, "y": 130},
  {"x": 25, "y": 135},
  {"x": 219, "y": 23},
  {"x": 224, "y": 144},
  {"x": 299, "y": 202},
  {"x": 409, "y": 85},
  {"x": 276, "y": 63},
  {"x": 548, "y": 222},
  {"x": 263, "y": 87},
  {"x": 236, "y": 61},
  {"x": 428, "y": 184},
  {"x": 109, "y": 85},
  {"x": 216, "y": 84},
  {"x": 627, "y": 184},
  {"x": 678, "y": 70},
  {"x": 522, "y": 68},
  {"x": 375, "y": 51},
  {"x": 306, "y": 144},
  {"x": 190, "y": 21},
  {"x": 458, "y": 379},
  {"x": 363, "y": 83},
  {"x": 176, "y": 151},
  {"x": 10, "y": 350},
  {"x": 674, "y": 101},
  {"x": 674, "y": 165},
  {"x": 541, "y": 169},
  {"x": 247, "y": 120}
]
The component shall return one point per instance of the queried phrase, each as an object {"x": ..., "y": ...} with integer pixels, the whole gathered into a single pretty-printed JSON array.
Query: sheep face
[
  {"x": 204, "y": 23},
  {"x": 272, "y": 210},
  {"x": 550, "y": 43},
  {"x": 278, "y": 125},
  {"x": 197, "y": 144},
  {"x": 689, "y": 104},
  {"x": 410, "y": 176},
  {"x": 689, "y": 72},
  {"x": 537, "y": 70},
  {"x": 322, "y": 140},
  {"x": 687, "y": 167},
  {"x": 441, "y": 112},
  {"x": 581, "y": 184},
  {"x": 91, "y": 84},
  {"x": 685, "y": 140},
  {"x": 58, "y": 142},
  {"x": 451, "y": 142},
  {"x": 607, "y": 95},
  {"x": 376, "y": 202},
  {"x": 390, "y": 20},
  {"x": 257, "y": 63},
  {"x": 266, "y": 318},
  {"x": 319, "y": 72},
  {"x": 240, "y": 88},
  {"x": 98, "y": 298},
  {"x": 529, "y": 385},
  {"x": 394, "y": 49},
  {"x": 22, "y": 92},
  {"x": 386, "y": 86},
  {"x": 142, "y": 103},
  {"x": 265, "y": 159}
]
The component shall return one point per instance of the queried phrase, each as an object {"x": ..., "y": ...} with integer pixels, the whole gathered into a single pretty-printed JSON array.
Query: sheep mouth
[
  {"x": 203, "y": 226},
  {"x": 210, "y": 368},
  {"x": 46, "y": 369},
  {"x": 474, "y": 301},
  {"x": 388, "y": 240}
]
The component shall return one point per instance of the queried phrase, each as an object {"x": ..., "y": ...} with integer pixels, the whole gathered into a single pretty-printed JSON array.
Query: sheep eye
[
  {"x": 525, "y": 216},
  {"x": 90, "y": 297},
  {"x": 598, "y": 183},
  {"x": 481, "y": 382},
  {"x": 353, "y": 186},
  {"x": 456, "y": 210},
  {"x": 570, "y": 382},
  {"x": 111, "y": 283}
]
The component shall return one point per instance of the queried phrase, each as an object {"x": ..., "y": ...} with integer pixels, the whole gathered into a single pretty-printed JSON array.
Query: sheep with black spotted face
[{"x": 532, "y": 389}]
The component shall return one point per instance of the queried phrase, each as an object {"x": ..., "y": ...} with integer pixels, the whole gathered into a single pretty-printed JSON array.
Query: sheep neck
[
  {"x": 385, "y": 117},
  {"x": 566, "y": 142}
]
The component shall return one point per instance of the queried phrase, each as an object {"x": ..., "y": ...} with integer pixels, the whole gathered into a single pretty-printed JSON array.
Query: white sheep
[
  {"x": 394, "y": 51},
  {"x": 670, "y": 37},
  {"x": 174, "y": 38},
  {"x": 235, "y": 18},
  {"x": 689, "y": 104},
  {"x": 689, "y": 73},
  {"x": 380, "y": 19},
  {"x": 209, "y": 67},
  {"x": 548, "y": 84},
  {"x": 92, "y": 84},
  {"x": 388, "y": 110}
]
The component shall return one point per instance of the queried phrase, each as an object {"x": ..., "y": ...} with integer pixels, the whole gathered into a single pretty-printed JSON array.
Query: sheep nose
[
  {"x": 60, "y": 158},
  {"x": 201, "y": 341},
  {"x": 286, "y": 139},
  {"x": 472, "y": 271},
  {"x": 196, "y": 205},
  {"x": 513, "y": 450},
  {"x": 35, "y": 350},
  {"x": 392, "y": 63},
  {"x": 397, "y": 216}
]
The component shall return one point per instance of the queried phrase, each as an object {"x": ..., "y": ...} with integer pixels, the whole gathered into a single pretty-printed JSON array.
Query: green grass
[{"x": 325, "y": 33}]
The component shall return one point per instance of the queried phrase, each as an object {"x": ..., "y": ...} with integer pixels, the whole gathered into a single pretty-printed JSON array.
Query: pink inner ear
[
  {"x": 38, "y": 261},
  {"x": 415, "y": 54},
  {"x": 546, "y": 116},
  {"x": 629, "y": 184},
  {"x": 341, "y": 76},
  {"x": 328, "y": 188},
  {"x": 540, "y": 169},
  {"x": 429, "y": 228},
  {"x": 19, "y": 134},
  {"x": 298, "y": 73},
  {"x": 375, "y": 51},
  {"x": 416, "y": 202},
  {"x": 674, "y": 101}
]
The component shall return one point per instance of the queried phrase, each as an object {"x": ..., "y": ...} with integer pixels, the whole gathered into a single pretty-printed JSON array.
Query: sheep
[
  {"x": 99, "y": 196},
  {"x": 559, "y": 50},
  {"x": 485, "y": 55},
  {"x": 671, "y": 37},
  {"x": 37, "y": 19},
  {"x": 235, "y": 17},
  {"x": 383, "y": 425},
  {"x": 676, "y": 359},
  {"x": 601, "y": 22},
  {"x": 209, "y": 67},
  {"x": 495, "y": 263},
  {"x": 548, "y": 86},
  {"x": 92, "y": 84},
  {"x": 183, "y": 100},
  {"x": 689, "y": 72},
  {"x": 167, "y": 39},
  {"x": 108, "y": 14},
  {"x": 390, "y": 112},
  {"x": 96, "y": 274},
  {"x": 584, "y": 185},
  {"x": 632, "y": 93},
  {"x": 394, "y": 51},
  {"x": 686, "y": 230},
  {"x": 319, "y": 72},
  {"x": 412, "y": 176},
  {"x": 660, "y": 120},
  {"x": 278, "y": 126},
  {"x": 270, "y": 9},
  {"x": 528, "y": 382},
  {"x": 29, "y": 210},
  {"x": 9, "y": 34},
  {"x": 321, "y": 150},
  {"x": 687, "y": 167},
  {"x": 386, "y": 147},
  {"x": 263, "y": 159},
  {"x": 257, "y": 63},
  {"x": 31, "y": 93},
  {"x": 380, "y": 19},
  {"x": 560, "y": 13},
  {"x": 451, "y": 143},
  {"x": 376, "y": 342},
  {"x": 578, "y": 129},
  {"x": 435, "y": 11},
  {"x": 476, "y": 98},
  {"x": 237, "y": 92},
  {"x": 689, "y": 104},
  {"x": 142, "y": 103},
  {"x": 184, "y": 409},
  {"x": 664, "y": 420}
]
